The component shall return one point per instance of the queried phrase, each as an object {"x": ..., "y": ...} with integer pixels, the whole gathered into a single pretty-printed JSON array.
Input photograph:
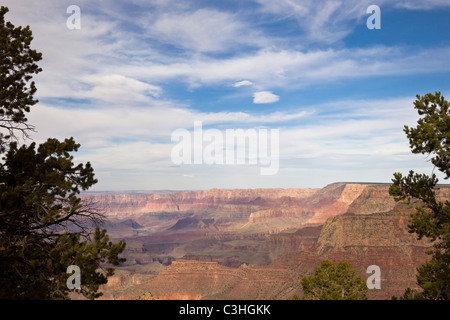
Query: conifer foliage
[
  {"x": 432, "y": 217},
  {"x": 44, "y": 225},
  {"x": 332, "y": 281}
]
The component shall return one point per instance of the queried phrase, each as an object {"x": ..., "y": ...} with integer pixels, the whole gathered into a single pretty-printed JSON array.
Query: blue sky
[{"x": 338, "y": 93}]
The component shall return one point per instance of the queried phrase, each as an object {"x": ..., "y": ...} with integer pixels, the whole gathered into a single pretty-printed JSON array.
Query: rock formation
[{"x": 257, "y": 244}]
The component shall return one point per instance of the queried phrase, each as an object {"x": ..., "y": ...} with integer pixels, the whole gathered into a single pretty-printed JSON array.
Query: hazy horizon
[{"x": 131, "y": 191}]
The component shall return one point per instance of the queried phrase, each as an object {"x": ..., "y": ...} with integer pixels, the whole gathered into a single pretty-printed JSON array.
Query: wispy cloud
[
  {"x": 326, "y": 21},
  {"x": 422, "y": 4},
  {"x": 202, "y": 30}
]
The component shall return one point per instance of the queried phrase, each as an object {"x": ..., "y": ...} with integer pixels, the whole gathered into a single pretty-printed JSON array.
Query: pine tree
[
  {"x": 44, "y": 225},
  {"x": 333, "y": 282},
  {"x": 432, "y": 217}
]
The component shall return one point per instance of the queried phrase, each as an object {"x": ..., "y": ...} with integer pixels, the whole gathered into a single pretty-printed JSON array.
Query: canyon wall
[
  {"x": 122, "y": 205},
  {"x": 197, "y": 280},
  {"x": 247, "y": 210},
  {"x": 257, "y": 244},
  {"x": 380, "y": 239}
]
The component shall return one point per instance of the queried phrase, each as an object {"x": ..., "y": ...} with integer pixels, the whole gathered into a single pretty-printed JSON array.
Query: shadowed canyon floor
[{"x": 258, "y": 243}]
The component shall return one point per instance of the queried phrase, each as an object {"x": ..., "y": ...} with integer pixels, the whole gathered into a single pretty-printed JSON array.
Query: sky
[{"x": 132, "y": 74}]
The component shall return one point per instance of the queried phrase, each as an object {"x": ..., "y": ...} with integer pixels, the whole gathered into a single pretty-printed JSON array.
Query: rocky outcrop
[
  {"x": 125, "y": 285},
  {"x": 389, "y": 229},
  {"x": 229, "y": 261},
  {"x": 192, "y": 223},
  {"x": 209, "y": 280},
  {"x": 380, "y": 239},
  {"x": 334, "y": 199},
  {"x": 290, "y": 243}
]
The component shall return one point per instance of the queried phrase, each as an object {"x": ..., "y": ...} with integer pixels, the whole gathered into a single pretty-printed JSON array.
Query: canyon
[{"x": 257, "y": 243}]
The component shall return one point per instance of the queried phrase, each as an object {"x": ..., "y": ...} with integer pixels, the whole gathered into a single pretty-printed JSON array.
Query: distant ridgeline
[{"x": 256, "y": 208}]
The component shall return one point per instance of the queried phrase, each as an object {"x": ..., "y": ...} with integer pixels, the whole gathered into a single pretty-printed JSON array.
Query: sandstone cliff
[{"x": 376, "y": 239}]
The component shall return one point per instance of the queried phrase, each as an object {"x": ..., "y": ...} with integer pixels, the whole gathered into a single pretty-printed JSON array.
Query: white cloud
[
  {"x": 117, "y": 88},
  {"x": 242, "y": 83},
  {"x": 265, "y": 97}
]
